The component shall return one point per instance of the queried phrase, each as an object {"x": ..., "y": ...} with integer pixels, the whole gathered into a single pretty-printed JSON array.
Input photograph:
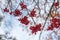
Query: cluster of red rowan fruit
[{"x": 55, "y": 23}]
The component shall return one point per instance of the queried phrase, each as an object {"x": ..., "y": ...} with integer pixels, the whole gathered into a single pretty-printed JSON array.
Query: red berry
[
  {"x": 38, "y": 26},
  {"x": 6, "y": 10},
  {"x": 55, "y": 23},
  {"x": 31, "y": 27},
  {"x": 53, "y": 20},
  {"x": 23, "y": 6},
  {"x": 17, "y": 12},
  {"x": 11, "y": 13},
  {"x": 50, "y": 28},
  {"x": 32, "y": 14},
  {"x": 56, "y": 4},
  {"x": 24, "y": 20},
  {"x": 35, "y": 28}
]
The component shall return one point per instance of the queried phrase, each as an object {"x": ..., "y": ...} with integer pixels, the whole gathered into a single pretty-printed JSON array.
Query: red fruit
[
  {"x": 25, "y": 17},
  {"x": 31, "y": 27},
  {"x": 11, "y": 13},
  {"x": 17, "y": 12},
  {"x": 35, "y": 28},
  {"x": 56, "y": 4},
  {"x": 6, "y": 10},
  {"x": 32, "y": 14},
  {"x": 24, "y": 20},
  {"x": 59, "y": 22},
  {"x": 54, "y": 20},
  {"x": 55, "y": 23},
  {"x": 38, "y": 26},
  {"x": 50, "y": 28},
  {"x": 23, "y": 6}
]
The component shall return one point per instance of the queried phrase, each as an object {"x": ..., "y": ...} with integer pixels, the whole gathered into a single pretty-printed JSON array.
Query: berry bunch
[
  {"x": 55, "y": 23},
  {"x": 35, "y": 28},
  {"x": 24, "y": 20}
]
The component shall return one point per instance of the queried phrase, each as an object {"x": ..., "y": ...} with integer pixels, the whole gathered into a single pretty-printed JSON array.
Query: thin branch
[{"x": 46, "y": 20}]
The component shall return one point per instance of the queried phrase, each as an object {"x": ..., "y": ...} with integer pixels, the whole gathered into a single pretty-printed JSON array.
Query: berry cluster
[
  {"x": 24, "y": 20},
  {"x": 55, "y": 23},
  {"x": 35, "y": 28},
  {"x": 32, "y": 13},
  {"x": 23, "y": 6}
]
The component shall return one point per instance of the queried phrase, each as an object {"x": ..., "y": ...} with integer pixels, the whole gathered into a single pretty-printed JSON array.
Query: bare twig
[{"x": 46, "y": 20}]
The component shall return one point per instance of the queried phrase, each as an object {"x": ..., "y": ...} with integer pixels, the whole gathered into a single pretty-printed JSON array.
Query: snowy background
[{"x": 12, "y": 29}]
